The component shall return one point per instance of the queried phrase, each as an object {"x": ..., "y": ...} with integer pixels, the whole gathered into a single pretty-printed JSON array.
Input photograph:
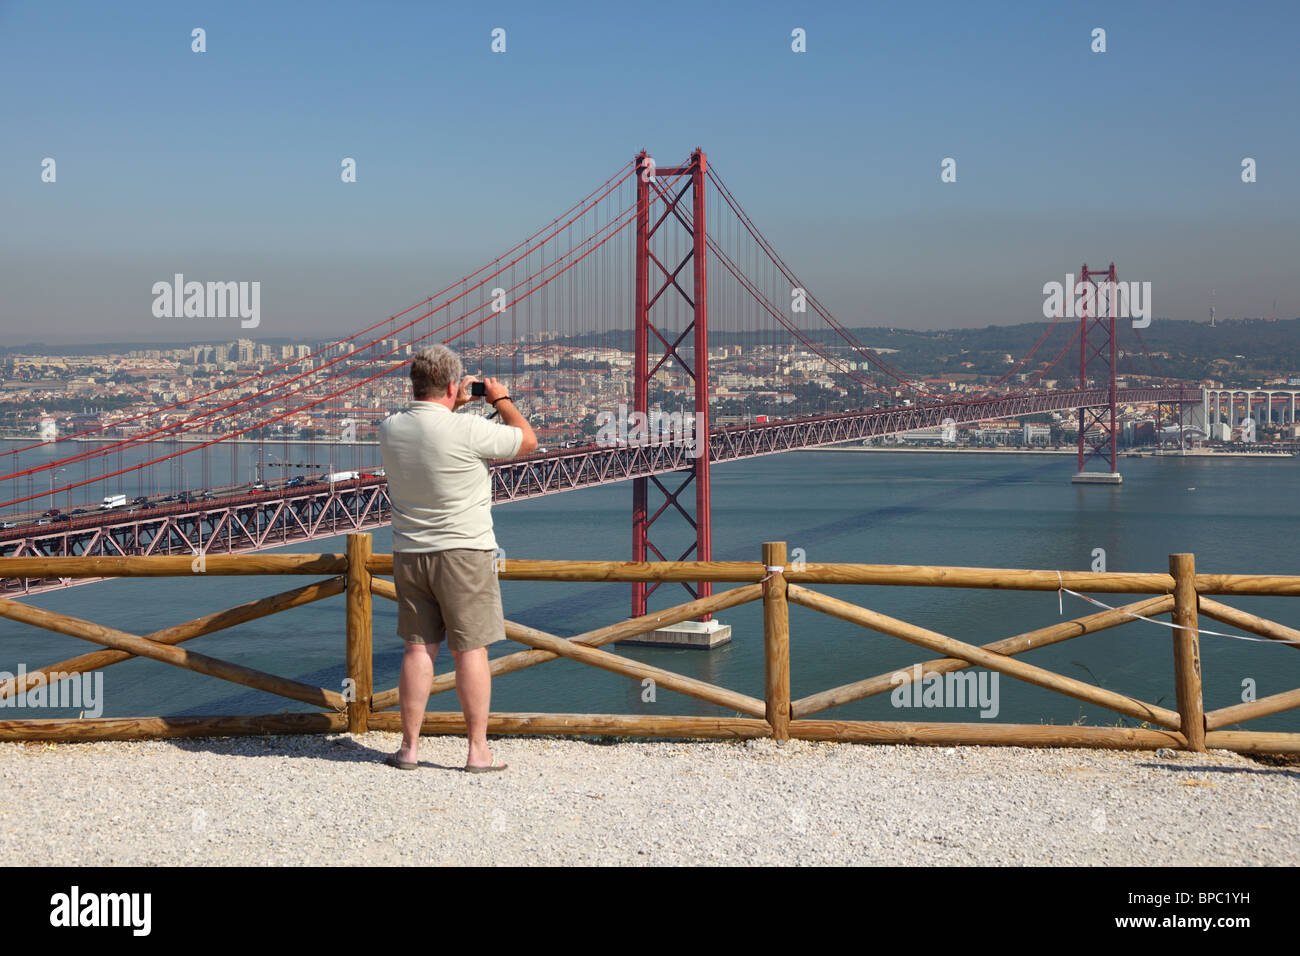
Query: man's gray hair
[{"x": 433, "y": 369}]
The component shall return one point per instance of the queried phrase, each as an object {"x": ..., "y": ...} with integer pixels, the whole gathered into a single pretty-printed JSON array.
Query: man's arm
[{"x": 499, "y": 397}]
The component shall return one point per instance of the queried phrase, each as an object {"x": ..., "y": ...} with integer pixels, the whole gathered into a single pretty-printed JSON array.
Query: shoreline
[{"x": 902, "y": 449}]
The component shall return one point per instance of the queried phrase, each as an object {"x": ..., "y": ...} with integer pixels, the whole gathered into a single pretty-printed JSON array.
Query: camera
[{"x": 478, "y": 389}]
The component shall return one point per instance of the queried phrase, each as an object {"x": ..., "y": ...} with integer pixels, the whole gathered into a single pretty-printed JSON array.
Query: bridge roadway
[{"x": 239, "y": 521}]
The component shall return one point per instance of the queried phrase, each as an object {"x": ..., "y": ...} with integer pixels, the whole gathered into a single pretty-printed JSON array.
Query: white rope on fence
[{"x": 1060, "y": 600}]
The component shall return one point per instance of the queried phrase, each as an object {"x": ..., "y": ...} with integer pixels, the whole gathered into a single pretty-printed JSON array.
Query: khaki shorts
[{"x": 451, "y": 594}]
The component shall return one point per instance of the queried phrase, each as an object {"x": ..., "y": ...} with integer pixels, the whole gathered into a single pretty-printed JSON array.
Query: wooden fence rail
[{"x": 359, "y": 574}]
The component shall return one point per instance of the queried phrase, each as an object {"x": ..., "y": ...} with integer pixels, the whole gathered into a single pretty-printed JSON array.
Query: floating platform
[
  {"x": 700, "y": 634},
  {"x": 1097, "y": 478}
]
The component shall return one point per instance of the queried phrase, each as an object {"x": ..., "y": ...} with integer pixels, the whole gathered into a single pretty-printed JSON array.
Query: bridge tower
[
  {"x": 658, "y": 283},
  {"x": 1096, "y": 293}
]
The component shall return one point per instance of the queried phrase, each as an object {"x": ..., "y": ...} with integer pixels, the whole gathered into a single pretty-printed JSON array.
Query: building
[
  {"x": 241, "y": 351},
  {"x": 924, "y": 436},
  {"x": 991, "y": 436},
  {"x": 1037, "y": 434}
]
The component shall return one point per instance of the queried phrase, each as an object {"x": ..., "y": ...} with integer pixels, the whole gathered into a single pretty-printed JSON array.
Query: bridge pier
[
  {"x": 704, "y": 635},
  {"x": 1097, "y": 478},
  {"x": 1101, "y": 349}
]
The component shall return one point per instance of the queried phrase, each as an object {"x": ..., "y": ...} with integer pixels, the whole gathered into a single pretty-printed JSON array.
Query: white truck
[
  {"x": 334, "y": 476},
  {"x": 112, "y": 501}
]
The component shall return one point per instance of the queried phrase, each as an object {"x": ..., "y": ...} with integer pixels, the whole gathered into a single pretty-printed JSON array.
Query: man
[{"x": 443, "y": 545}]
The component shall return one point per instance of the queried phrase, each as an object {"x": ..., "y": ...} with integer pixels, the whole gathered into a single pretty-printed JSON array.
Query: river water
[{"x": 897, "y": 508}]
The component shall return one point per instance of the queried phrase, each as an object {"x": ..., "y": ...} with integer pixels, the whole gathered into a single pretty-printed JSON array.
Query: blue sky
[{"x": 225, "y": 164}]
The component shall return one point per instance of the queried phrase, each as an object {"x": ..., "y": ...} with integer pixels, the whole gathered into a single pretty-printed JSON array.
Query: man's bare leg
[
  {"x": 413, "y": 694},
  {"x": 474, "y": 688}
]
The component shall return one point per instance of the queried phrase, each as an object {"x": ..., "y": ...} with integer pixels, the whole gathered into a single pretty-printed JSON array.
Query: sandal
[{"x": 495, "y": 766}]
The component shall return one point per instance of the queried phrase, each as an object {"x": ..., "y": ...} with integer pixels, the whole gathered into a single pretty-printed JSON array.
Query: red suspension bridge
[{"x": 661, "y": 259}]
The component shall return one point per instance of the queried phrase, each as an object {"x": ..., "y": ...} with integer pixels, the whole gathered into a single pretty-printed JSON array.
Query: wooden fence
[{"x": 1181, "y": 593}]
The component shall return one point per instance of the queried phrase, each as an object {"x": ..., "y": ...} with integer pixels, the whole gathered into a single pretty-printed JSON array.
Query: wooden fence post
[
  {"x": 776, "y": 642},
  {"x": 359, "y": 623},
  {"x": 1187, "y": 651}
]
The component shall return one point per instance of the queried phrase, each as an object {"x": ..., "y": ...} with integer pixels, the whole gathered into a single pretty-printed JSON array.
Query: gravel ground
[{"x": 331, "y": 800}]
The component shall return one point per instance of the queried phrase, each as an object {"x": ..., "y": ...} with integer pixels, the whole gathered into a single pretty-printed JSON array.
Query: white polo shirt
[{"x": 438, "y": 478}]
